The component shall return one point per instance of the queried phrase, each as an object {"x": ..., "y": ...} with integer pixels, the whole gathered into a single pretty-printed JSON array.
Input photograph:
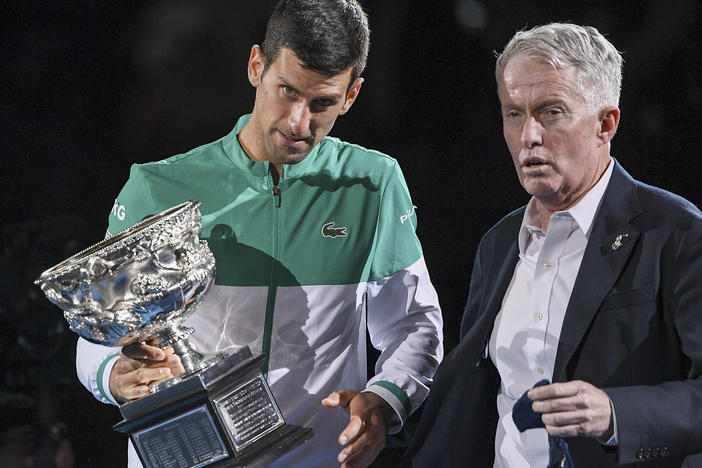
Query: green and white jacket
[{"x": 302, "y": 270}]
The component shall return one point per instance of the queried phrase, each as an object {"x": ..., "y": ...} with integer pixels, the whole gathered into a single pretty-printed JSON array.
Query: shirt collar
[{"x": 583, "y": 212}]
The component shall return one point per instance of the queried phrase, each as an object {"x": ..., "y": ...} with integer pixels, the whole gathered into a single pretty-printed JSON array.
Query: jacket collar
[{"x": 234, "y": 151}]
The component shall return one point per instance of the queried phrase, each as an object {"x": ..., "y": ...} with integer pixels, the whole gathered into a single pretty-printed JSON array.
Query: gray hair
[{"x": 562, "y": 45}]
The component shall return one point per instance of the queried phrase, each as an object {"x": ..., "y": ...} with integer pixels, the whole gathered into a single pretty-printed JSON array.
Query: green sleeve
[
  {"x": 133, "y": 203},
  {"x": 396, "y": 243}
]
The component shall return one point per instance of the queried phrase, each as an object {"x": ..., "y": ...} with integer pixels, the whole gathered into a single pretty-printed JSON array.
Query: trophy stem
[
  {"x": 188, "y": 358},
  {"x": 177, "y": 337},
  {"x": 192, "y": 362}
]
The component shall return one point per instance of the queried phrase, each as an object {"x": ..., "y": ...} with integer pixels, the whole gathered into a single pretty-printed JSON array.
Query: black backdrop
[{"x": 88, "y": 88}]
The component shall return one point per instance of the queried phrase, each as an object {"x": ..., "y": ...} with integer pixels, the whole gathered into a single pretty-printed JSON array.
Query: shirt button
[
  {"x": 548, "y": 265},
  {"x": 540, "y": 370},
  {"x": 538, "y": 316}
]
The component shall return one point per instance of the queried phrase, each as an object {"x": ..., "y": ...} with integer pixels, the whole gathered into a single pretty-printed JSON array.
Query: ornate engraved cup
[{"x": 140, "y": 285}]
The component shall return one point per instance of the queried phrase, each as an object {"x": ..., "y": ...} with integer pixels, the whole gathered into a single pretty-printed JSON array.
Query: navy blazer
[{"x": 633, "y": 327}]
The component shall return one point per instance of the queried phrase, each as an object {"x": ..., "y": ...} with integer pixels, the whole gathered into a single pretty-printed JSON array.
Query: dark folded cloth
[{"x": 525, "y": 418}]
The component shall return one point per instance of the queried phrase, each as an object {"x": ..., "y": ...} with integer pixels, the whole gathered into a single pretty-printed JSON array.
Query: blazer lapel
[{"x": 610, "y": 244}]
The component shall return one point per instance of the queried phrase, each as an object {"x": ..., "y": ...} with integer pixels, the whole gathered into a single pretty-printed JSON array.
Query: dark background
[{"x": 88, "y": 88}]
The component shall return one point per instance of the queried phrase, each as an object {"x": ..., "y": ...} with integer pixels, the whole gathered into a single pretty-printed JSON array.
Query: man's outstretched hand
[{"x": 364, "y": 437}]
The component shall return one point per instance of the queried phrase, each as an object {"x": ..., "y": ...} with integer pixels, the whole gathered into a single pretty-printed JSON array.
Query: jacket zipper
[
  {"x": 273, "y": 283},
  {"x": 276, "y": 194}
]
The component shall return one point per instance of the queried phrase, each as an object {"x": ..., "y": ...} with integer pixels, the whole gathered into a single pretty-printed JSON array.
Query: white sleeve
[
  {"x": 94, "y": 364},
  {"x": 405, "y": 324}
]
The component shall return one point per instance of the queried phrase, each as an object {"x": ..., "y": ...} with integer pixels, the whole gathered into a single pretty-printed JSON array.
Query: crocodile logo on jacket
[{"x": 328, "y": 230}]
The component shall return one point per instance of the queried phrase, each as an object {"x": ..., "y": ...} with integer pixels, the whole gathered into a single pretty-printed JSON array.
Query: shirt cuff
[
  {"x": 396, "y": 398},
  {"x": 103, "y": 377},
  {"x": 612, "y": 441}
]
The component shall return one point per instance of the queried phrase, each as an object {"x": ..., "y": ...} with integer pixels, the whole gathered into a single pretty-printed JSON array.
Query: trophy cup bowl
[{"x": 139, "y": 285}]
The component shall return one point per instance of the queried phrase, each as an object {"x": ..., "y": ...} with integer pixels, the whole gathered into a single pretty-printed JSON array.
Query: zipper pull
[{"x": 276, "y": 193}]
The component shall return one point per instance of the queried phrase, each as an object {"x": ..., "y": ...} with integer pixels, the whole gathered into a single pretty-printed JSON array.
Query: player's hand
[
  {"x": 140, "y": 366},
  {"x": 364, "y": 437},
  {"x": 574, "y": 408}
]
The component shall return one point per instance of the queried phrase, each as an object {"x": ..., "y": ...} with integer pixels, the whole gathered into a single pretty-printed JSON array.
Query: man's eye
[
  {"x": 288, "y": 91},
  {"x": 512, "y": 114}
]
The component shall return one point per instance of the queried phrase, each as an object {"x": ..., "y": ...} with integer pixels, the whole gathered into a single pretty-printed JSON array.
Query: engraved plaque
[
  {"x": 249, "y": 412},
  {"x": 190, "y": 439}
]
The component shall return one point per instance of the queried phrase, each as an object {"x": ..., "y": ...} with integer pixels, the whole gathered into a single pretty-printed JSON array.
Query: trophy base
[{"x": 222, "y": 416}]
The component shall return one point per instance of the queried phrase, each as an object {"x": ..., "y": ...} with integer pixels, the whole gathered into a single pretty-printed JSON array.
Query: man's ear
[
  {"x": 351, "y": 95},
  {"x": 256, "y": 66},
  {"x": 609, "y": 122}
]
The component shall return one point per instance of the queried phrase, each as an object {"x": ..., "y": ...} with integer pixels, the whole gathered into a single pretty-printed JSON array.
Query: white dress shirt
[{"x": 525, "y": 337}]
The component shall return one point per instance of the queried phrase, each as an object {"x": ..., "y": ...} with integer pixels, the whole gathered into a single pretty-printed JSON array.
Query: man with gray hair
[{"x": 581, "y": 341}]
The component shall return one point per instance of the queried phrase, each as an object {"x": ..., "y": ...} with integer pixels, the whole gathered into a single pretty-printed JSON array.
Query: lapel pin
[{"x": 618, "y": 241}]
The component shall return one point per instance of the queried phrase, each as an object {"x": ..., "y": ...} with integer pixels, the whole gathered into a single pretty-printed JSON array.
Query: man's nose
[
  {"x": 299, "y": 119},
  {"x": 532, "y": 132}
]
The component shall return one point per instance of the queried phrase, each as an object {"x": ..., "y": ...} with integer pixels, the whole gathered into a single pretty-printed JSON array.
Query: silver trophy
[{"x": 139, "y": 286}]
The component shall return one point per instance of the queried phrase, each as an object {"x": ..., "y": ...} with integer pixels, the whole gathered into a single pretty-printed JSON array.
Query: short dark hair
[{"x": 328, "y": 36}]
